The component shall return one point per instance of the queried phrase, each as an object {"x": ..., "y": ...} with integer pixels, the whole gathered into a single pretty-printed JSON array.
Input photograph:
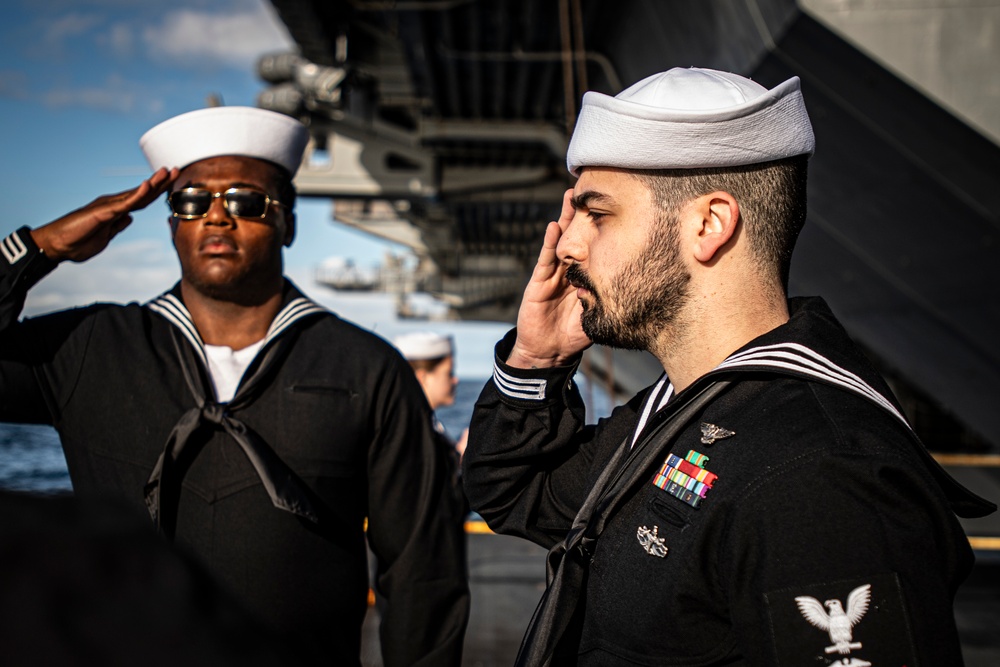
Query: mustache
[{"x": 579, "y": 278}]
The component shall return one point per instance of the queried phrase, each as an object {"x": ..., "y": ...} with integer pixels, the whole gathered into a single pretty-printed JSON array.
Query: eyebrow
[
  {"x": 238, "y": 184},
  {"x": 584, "y": 199}
]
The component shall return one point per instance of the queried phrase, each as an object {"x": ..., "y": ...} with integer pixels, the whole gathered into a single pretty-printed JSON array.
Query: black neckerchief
[{"x": 286, "y": 490}]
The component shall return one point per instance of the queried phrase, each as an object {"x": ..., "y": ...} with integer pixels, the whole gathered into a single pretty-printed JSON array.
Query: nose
[
  {"x": 572, "y": 245},
  {"x": 218, "y": 214}
]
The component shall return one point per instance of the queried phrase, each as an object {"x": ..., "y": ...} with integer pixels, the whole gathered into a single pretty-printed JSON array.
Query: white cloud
[
  {"x": 103, "y": 99},
  {"x": 233, "y": 38},
  {"x": 129, "y": 271},
  {"x": 119, "y": 39},
  {"x": 14, "y": 84},
  {"x": 115, "y": 94},
  {"x": 57, "y": 31}
]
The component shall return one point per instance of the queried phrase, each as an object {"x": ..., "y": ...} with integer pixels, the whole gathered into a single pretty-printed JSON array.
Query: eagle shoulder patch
[{"x": 852, "y": 622}]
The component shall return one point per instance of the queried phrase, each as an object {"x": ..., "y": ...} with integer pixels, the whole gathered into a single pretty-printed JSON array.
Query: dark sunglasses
[{"x": 192, "y": 203}]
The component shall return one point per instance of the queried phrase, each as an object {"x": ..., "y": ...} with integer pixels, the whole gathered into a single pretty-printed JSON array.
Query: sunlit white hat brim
[
  {"x": 217, "y": 131},
  {"x": 659, "y": 132},
  {"x": 421, "y": 345}
]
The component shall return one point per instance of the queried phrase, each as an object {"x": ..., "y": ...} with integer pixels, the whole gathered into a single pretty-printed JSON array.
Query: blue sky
[{"x": 82, "y": 80}]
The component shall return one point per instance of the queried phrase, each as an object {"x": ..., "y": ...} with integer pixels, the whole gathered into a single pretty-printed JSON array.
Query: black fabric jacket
[
  {"x": 819, "y": 493},
  {"x": 343, "y": 411}
]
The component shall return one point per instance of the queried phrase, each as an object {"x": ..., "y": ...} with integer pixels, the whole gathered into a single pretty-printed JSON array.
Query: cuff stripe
[
  {"x": 13, "y": 248},
  {"x": 527, "y": 390}
]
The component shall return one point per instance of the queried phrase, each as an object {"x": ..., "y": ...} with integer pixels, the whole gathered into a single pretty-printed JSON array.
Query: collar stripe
[
  {"x": 799, "y": 358},
  {"x": 174, "y": 311},
  {"x": 530, "y": 389},
  {"x": 171, "y": 308},
  {"x": 811, "y": 359},
  {"x": 181, "y": 315},
  {"x": 294, "y": 311}
]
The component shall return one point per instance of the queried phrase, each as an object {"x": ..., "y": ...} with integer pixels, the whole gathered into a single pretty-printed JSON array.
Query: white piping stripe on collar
[
  {"x": 174, "y": 311},
  {"x": 13, "y": 248},
  {"x": 821, "y": 364},
  {"x": 654, "y": 397},
  {"x": 813, "y": 364},
  {"x": 170, "y": 307},
  {"x": 294, "y": 311},
  {"x": 531, "y": 390}
]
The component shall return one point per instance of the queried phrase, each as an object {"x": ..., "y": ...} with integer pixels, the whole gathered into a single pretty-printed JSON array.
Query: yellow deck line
[
  {"x": 477, "y": 528},
  {"x": 985, "y": 543},
  {"x": 988, "y": 460}
]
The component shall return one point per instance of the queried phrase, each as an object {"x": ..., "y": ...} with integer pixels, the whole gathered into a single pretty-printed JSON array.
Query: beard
[{"x": 642, "y": 300}]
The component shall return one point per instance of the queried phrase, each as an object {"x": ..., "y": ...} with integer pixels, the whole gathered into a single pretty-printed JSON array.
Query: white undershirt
[{"x": 227, "y": 366}]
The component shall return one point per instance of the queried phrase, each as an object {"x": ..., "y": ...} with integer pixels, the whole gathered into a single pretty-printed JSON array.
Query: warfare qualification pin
[
  {"x": 654, "y": 546},
  {"x": 710, "y": 433}
]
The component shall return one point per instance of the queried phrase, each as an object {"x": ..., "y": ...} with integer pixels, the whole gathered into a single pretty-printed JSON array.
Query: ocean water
[{"x": 31, "y": 458}]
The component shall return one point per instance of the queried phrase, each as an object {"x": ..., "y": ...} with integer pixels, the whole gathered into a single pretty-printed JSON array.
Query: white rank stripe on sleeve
[
  {"x": 528, "y": 390},
  {"x": 801, "y": 359},
  {"x": 13, "y": 248}
]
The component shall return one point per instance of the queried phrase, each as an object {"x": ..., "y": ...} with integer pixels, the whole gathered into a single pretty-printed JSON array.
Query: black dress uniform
[
  {"x": 779, "y": 511},
  {"x": 328, "y": 423}
]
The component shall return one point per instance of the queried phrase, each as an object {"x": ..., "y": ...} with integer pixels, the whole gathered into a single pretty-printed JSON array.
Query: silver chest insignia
[
  {"x": 654, "y": 546},
  {"x": 710, "y": 433},
  {"x": 838, "y": 623}
]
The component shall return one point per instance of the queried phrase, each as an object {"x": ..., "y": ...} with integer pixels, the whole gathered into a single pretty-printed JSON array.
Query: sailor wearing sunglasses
[{"x": 257, "y": 429}]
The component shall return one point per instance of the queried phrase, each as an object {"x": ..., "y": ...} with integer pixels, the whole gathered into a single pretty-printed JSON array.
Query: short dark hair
[
  {"x": 284, "y": 190},
  {"x": 771, "y": 195},
  {"x": 426, "y": 364}
]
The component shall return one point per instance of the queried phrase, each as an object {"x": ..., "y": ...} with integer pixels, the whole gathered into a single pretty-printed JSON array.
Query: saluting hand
[
  {"x": 85, "y": 232},
  {"x": 548, "y": 322}
]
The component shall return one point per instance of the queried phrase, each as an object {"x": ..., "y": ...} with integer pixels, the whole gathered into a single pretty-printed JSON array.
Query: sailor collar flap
[{"x": 295, "y": 307}]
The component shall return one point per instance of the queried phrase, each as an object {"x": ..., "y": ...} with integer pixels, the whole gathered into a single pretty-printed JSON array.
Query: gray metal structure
[{"x": 443, "y": 124}]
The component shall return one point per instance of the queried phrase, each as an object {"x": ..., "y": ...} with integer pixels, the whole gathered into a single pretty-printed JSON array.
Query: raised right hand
[
  {"x": 548, "y": 322},
  {"x": 85, "y": 232}
]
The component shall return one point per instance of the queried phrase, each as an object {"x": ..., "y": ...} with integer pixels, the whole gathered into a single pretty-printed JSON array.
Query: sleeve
[
  {"x": 40, "y": 358},
  {"x": 415, "y": 530},
  {"x": 531, "y": 459},
  {"x": 22, "y": 265},
  {"x": 845, "y": 556}
]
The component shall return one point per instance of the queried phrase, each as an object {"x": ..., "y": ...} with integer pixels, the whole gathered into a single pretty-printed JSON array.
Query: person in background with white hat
[
  {"x": 765, "y": 502},
  {"x": 432, "y": 358},
  {"x": 259, "y": 431}
]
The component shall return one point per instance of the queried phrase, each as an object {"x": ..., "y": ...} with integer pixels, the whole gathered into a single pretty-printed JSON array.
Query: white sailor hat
[
  {"x": 421, "y": 345},
  {"x": 216, "y": 131},
  {"x": 691, "y": 118}
]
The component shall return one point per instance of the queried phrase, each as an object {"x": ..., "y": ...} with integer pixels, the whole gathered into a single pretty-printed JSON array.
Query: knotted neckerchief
[
  {"x": 287, "y": 491},
  {"x": 567, "y": 562}
]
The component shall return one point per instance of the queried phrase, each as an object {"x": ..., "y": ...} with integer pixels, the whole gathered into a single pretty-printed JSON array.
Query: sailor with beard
[{"x": 769, "y": 464}]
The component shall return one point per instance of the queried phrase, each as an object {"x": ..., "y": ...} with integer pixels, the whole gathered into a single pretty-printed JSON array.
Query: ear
[
  {"x": 289, "y": 229},
  {"x": 720, "y": 215}
]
